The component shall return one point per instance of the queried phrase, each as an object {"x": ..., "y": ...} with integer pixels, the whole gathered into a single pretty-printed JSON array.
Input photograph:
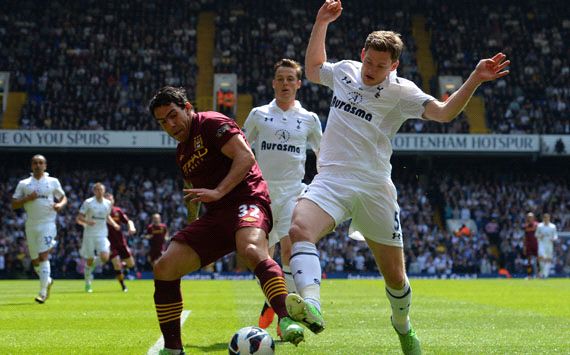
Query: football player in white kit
[
  {"x": 36, "y": 194},
  {"x": 94, "y": 214},
  {"x": 280, "y": 133},
  {"x": 369, "y": 104},
  {"x": 546, "y": 235}
]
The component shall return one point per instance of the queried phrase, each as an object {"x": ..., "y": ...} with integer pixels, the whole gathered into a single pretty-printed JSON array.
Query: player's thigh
[
  {"x": 103, "y": 247},
  {"x": 88, "y": 247},
  {"x": 310, "y": 222},
  {"x": 178, "y": 260},
  {"x": 376, "y": 214},
  {"x": 40, "y": 239},
  {"x": 390, "y": 261}
]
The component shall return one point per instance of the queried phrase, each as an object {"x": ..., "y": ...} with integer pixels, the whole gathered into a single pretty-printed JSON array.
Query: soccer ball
[{"x": 251, "y": 340}]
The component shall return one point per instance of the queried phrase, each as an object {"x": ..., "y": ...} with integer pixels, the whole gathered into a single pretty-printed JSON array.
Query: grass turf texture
[{"x": 450, "y": 316}]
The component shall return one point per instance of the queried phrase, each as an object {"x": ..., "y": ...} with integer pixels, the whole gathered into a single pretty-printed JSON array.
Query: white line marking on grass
[{"x": 160, "y": 342}]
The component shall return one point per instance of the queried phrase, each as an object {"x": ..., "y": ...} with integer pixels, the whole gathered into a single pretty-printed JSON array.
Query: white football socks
[
  {"x": 400, "y": 301},
  {"x": 291, "y": 288},
  {"x": 44, "y": 272},
  {"x": 306, "y": 271}
]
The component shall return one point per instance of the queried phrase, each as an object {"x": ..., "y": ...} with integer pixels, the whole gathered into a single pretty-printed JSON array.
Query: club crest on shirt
[
  {"x": 249, "y": 219},
  {"x": 354, "y": 97},
  {"x": 198, "y": 142},
  {"x": 224, "y": 128},
  {"x": 282, "y": 135}
]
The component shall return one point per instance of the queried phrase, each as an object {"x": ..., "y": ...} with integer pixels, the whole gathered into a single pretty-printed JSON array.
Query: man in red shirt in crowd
[
  {"x": 217, "y": 162},
  {"x": 120, "y": 252},
  {"x": 157, "y": 233}
]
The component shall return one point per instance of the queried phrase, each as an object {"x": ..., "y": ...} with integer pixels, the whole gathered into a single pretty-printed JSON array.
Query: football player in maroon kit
[
  {"x": 157, "y": 234},
  {"x": 217, "y": 162},
  {"x": 120, "y": 252},
  {"x": 530, "y": 246}
]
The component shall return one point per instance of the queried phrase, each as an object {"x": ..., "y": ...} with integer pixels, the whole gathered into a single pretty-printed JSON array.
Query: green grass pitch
[{"x": 450, "y": 316}]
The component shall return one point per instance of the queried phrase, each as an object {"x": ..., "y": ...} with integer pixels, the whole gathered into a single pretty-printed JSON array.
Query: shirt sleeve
[
  {"x": 413, "y": 100},
  {"x": 123, "y": 216},
  {"x": 219, "y": 130},
  {"x": 19, "y": 193},
  {"x": 250, "y": 127},
  {"x": 315, "y": 134},
  {"x": 83, "y": 209},
  {"x": 326, "y": 76},
  {"x": 58, "y": 191}
]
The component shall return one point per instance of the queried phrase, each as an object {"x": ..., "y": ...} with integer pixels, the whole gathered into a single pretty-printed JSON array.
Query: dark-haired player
[{"x": 216, "y": 160}]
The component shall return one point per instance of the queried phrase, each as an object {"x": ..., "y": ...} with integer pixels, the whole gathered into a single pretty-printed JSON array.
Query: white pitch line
[{"x": 160, "y": 342}]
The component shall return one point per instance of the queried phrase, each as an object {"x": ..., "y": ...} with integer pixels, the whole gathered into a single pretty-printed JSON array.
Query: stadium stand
[{"x": 146, "y": 185}]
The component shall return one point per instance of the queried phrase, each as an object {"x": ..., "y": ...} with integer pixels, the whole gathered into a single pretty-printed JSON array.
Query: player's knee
[
  {"x": 161, "y": 269},
  {"x": 394, "y": 277},
  {"x": 253, "y": 254},
  {"x": 298, "y": 234}
]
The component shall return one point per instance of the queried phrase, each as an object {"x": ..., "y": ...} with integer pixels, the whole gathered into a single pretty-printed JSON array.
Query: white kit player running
[
  {"x": 280, "y": 134},
  {"x": 94, "y": 214},
  {"x": 36, "y": 194},
  {"x": 369, "y": 104},
  {"x": 546, "y": 235}
]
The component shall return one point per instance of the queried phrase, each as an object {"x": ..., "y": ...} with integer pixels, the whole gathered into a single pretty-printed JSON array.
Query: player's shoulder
[
  {"x": 25, "y": 181},
  {"x": 347, "y": 65},
  {"x": 90, "y": 200},
  {"x": 260, "y": 110},
  {"x": 310, "y": 115}
]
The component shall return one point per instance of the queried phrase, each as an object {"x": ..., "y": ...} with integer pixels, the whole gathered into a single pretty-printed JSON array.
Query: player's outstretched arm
[
  {"x": 316, "y": 53},
  {"x": 486, "y": 70}
]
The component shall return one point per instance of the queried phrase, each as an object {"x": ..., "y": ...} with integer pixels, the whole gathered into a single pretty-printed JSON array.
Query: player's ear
[
  {"x": 362, "y": 55},
  {"x": 188, "y": 106},
  {"x": 395, "y": 65}
]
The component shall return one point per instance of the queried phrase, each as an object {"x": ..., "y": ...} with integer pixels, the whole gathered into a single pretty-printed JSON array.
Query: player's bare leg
[
  {"x": 118, "y": 267},
  {"x": 251, "y": 243},
  {"x": 308, "y": 225},
  {"x": 178, "y": 260},
  {"x": 390, "y": 261}
]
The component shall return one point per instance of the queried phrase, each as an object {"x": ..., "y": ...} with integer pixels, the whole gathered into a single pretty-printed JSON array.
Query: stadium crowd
[
  {"x": 431, "y": 249},
  {"x": 534, "y": 98},
  {"x": 90, "y": 66},
  {"x": 86, "y": 65}
]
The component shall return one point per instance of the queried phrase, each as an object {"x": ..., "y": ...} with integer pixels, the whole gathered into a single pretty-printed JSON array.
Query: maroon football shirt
[
  {"x": 158, "y": 233},
  {"x": 203, "y": 164},
  {"x": 120, "y": 217}
]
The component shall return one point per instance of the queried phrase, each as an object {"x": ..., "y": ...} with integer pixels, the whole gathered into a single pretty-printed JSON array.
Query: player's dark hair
[
  {"x": 38, "y": 156},
  {"x": 385, "y": 41},
  {"x": 289, "y": 63},
  {"x": 168, "y": 95}
]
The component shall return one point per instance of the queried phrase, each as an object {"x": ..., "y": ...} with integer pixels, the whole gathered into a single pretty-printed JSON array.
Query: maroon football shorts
[
  {"x": 121, "y": 250},
  {"x": 531, "y": 247},
  {"x": 213, "y": 234}
]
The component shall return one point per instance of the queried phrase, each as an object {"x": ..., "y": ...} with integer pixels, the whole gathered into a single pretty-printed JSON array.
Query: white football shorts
[
  {"x": 91, "y": 246},
  {"x": 40, "y": 238},
  {"x": 283, "y": 200},
  {"x": 371, "y": 202},
  {"x": 545, "y": 250}
]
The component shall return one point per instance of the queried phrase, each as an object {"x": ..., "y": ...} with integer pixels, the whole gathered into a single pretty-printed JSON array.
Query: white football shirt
[
  {"x": 280, "y": 139},
  {"x": 41, "y": 209},
  {"x": 546, "y": 233},
  {"x": 97, "y": 212},
  {"x": 363, "y": 119}
]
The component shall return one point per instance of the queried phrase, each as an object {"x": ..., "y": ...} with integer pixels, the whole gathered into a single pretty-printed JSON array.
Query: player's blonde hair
[{"x": 385, "y": 41}]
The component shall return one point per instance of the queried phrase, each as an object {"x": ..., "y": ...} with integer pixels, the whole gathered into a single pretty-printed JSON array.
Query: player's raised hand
[
  {"x": 492, "y": 68},
  {"x": 202, "y": 195},
  {"x": 330, "y": 11}
]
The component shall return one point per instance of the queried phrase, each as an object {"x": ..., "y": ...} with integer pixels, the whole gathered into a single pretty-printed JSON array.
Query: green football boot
[
  {"x": 304, "y": 313},
  {"x": 410, "y": 342},
  {"x": 166, "y": 352},
  {"x": 88, "y": 288},
  {"x": 291, "y": 331}
]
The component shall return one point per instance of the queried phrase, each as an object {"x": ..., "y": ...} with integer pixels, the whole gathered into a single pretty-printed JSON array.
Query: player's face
[
  {"x": 156, "y": 219},
  {"x": 546, "y": 218},
  {"x": 376, "y": 66},
  {"x": 38, "y": 166},
  {"x": 175, "y": 120},
  {"x": 99, "y": 191},
  {"x": 529, "y": 218},
  {"x": 286, "y": 84}
]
